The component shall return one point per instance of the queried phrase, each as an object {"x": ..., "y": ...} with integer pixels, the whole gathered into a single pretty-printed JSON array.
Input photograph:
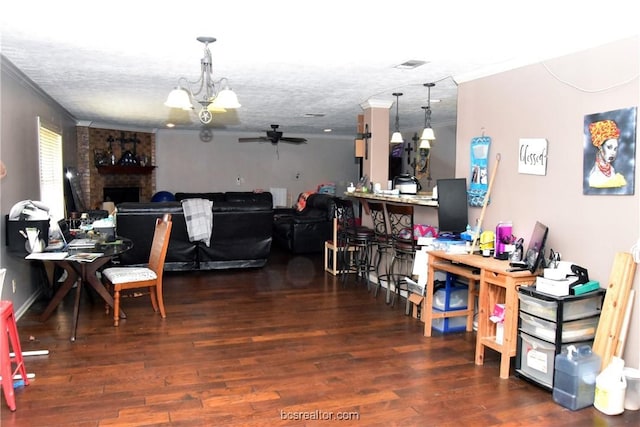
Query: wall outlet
[{"x": 239, "y": 180}]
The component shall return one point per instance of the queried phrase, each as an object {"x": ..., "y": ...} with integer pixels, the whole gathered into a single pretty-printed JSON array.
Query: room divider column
[{"x": 376, "y": 118}]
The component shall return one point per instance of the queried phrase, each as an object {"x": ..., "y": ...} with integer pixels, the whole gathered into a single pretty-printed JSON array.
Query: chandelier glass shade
[
  {"x": 427, "y": 132},
  {"x": 396, "y": 137},
  {"x": 179, "y": 97},
  {"x": 213, "y": 95}
]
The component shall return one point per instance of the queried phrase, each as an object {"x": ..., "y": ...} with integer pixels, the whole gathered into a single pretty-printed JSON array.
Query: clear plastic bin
[
  {"x": 538, "y": 358},
  {"x": 450, "y": 324},
  {"x": 577, "y": 330},
  {"x": 453, "y": 298},
  {"x": 575, "y": 309}
]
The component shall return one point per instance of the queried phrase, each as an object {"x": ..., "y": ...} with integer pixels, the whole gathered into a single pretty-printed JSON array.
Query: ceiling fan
[{"x": 274, "y": 136}]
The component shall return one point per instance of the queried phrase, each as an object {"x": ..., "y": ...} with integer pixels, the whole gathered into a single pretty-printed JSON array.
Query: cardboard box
[{"x": 416, "y": 300}]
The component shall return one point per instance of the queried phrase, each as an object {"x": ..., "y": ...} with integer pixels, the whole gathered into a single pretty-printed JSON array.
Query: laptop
[{"x": 68, "y": 241}]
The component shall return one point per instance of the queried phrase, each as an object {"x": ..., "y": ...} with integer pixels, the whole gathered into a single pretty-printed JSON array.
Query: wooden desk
[{"x": 497, "y": 286}]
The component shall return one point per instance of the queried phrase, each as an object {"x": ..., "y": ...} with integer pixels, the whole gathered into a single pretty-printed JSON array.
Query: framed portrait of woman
[{"x": 609, "y": 152}]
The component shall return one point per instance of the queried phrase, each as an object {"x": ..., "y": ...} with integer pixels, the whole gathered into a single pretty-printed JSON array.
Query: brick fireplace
[
  {"x": 121, "y": 194},
  {"x": 93, "y": 145}
]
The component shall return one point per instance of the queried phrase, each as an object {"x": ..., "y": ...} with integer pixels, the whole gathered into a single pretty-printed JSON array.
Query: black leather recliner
[{"x": 306, "y": 231}]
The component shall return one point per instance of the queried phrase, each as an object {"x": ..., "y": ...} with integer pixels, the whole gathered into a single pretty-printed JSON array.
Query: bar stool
[
  {"x": 332, "y": 250},
  {"x": 8, "y": 341},
  {"x": 354, "y": 242},
  {"x": 404, "y": 248},
  {"x": 383, "y": 242}
]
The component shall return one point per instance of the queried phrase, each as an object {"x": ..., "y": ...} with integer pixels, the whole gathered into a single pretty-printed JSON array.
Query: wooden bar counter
[{"x": 409, "y": 199}]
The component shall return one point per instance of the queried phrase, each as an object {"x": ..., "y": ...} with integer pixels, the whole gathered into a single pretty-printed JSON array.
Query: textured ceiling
[{"x": 304, "y": 65}]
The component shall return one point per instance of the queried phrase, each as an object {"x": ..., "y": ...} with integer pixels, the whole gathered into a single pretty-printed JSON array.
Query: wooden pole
[
  {"x": 484, "y": 204},
  {"x": 625, "y": 326},
  {"x": 614, "y": 307}
]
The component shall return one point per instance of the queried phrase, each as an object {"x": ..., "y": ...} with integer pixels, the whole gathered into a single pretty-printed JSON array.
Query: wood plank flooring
[{"x": 284, "y": 345}]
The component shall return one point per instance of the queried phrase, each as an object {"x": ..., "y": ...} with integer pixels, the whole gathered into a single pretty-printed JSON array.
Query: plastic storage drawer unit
[{"x": 574, "y": 309}]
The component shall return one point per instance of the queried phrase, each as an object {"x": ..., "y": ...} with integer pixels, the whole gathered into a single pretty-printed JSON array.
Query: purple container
[{"x": 503, "y": 229}]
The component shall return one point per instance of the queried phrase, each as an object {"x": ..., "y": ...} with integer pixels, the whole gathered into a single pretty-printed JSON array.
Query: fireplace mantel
[{"x": 119, "y": 170}]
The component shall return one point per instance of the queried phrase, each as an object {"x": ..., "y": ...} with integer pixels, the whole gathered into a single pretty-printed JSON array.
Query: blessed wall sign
[{"x": 532, "y": 156}]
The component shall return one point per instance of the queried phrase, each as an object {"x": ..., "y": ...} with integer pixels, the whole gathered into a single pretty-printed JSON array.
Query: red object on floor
[{"x": 8, "y": 341}]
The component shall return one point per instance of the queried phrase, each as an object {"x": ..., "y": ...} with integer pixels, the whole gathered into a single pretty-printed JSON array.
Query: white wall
[
  {"x": 21, "y": 104},
  {"x": 533, "y": 102},
  {"x": 187, "y": 164}
]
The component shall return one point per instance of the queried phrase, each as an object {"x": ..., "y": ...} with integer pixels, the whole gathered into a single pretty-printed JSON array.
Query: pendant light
[
  {"x": 427, "y": 134},
  {"x": 396, "y": 138},
  {"x": 426, "y": 143}
]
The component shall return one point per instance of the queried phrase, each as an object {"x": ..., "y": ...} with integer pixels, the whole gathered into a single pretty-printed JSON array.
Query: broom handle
[{"x": 484, "y": 204}]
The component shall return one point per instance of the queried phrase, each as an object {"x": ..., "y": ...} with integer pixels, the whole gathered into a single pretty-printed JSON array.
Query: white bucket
[
  {"x": 632, "y": 395},
  {"x": 611, "y": 386}
]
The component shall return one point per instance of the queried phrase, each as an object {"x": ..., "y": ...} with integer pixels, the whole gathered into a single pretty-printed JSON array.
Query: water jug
[
  {"x": 611, "y": 386},
  {"x": 575, "y": 374}
]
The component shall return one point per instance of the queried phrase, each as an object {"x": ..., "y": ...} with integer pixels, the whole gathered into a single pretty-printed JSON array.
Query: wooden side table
[{"x": 499, "y": 287}]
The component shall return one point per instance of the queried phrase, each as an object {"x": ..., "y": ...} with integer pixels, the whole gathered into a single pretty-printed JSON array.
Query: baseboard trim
[{"x": 27, "y": 304}]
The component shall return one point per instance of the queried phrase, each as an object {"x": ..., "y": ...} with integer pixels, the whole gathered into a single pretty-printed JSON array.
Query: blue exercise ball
[{"x": 163, "y": 196}]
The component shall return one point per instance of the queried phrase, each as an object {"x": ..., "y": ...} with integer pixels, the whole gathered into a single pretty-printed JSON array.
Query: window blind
[{"x": 51, "y": 171}]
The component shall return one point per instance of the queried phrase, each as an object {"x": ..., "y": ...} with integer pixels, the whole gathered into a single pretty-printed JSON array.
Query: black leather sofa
[
  {"x": 241, "y": 236},
  {"x": 305, "y": 231}
]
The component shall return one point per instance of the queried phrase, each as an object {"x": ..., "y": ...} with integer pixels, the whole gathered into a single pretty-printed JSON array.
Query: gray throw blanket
[{"x": 199, "y": 219}]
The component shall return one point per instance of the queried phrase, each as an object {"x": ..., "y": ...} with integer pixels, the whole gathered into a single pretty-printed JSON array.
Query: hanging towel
[{"x": 199, "y": 219}]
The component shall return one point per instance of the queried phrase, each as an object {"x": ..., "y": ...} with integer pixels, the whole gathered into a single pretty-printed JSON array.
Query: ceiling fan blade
[
  {"x": 293, "y": 140},
  {"x": 253, "y": 139}
]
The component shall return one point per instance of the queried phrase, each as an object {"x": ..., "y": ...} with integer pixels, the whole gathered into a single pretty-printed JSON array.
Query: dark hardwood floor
[{"x": 268, "y": 347}]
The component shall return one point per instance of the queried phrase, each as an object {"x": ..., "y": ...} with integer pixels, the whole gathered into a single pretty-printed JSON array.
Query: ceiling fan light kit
[{"x": 214, "y": 99}]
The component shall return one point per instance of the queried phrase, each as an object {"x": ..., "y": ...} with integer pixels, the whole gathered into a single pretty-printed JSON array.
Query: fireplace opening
[{"x": 121, "y": 194}]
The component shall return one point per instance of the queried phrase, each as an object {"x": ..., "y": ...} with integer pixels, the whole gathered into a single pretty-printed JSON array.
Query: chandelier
[{"x": 215, "y": 96}]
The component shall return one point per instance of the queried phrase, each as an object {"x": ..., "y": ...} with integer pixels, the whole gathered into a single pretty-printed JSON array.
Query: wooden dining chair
[{"x": 123, "y": 278}]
